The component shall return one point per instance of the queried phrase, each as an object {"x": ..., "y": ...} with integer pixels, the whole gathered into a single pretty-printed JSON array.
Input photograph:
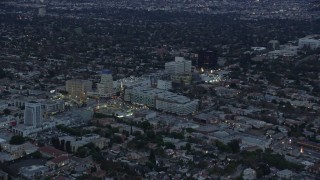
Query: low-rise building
[
  {"x": 255, "y": 141},
  {"x": 163, "y": 100},
  {"x": 3, "y": 175},
  {"x": 311, "y": 41},
  {"x": 165, "y": 85},
  {"x": 249, "y": 174},
  {"x": 145, "y": 114},
  {"x": 49, "y": 151},
  {"x": 315, "y": 169},
  {"x": 18, "y": 151},
  {"x": 58, "y": 161},
  {"x": 31, "y": 172},
  {"x": 285, "y": 174}
]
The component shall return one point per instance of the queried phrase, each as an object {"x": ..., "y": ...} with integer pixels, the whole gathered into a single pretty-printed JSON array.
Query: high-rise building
[
  {"x": 207, "y": 59},
  {"x": 33, "y": 114},
  {"x": 105, "y": 87},
  {"x": 179, "y": 66},
  {"x": 78, "y": 89}
]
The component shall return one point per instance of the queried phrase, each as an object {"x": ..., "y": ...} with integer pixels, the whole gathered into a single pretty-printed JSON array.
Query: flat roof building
[
  {"x": 33, "y": 114},
  {"x": 105, "y": 87},
  {"x": 178, "y": 66},
  {"x": 312, "y": 42},
  {"x": 78, "y": 88},
  {"x": 163, "y": 100}
]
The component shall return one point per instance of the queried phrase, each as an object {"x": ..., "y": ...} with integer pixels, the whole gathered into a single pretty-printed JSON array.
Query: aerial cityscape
[{"x": 159, "y": 89}]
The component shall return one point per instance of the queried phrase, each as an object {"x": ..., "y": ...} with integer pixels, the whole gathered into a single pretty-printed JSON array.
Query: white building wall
[
  {"x": 158, "y": 99},
  {"x": 309, "y": 42},
  {"x": 176, "y": 108},
  {"x": 179, "y": 66},
  {"x": 33, "y": 114},
  {"x": 166, "y": 85},
  {"x": 105, "y": 87}
]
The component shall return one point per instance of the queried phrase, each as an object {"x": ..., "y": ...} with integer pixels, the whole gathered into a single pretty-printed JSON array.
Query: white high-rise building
[
  {"x": 105, "y": 87},
  {"x": 33, "y": 114},
  {"x": 178, "y": 66}
]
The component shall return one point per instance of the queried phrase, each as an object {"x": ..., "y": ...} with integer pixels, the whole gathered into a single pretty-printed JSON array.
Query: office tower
[
  {"x": 78, "y": 89},
  {"x": 179, "y": 66},
  {"x": 33, "y": 114},
  {"x": 105, "y": 87},
  {"x": 207, "y": 59}
]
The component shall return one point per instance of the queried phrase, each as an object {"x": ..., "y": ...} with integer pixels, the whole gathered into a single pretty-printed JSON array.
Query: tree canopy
[
  {"x": 2, "y": 73},
  {"x": 16, "y": 140}
]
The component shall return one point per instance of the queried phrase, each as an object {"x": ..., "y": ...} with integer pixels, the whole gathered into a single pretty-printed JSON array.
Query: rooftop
[
  {"x": 59, "y": 159},
  {"x": 51, "y": 151}
]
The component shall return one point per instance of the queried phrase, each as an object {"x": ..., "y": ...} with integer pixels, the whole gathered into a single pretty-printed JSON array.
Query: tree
[
  {"x": 152, "y": 157},
  {"x": 222, "y": 147},
  {"x": 16, "y": 140},
  {"x": 188, "y": 146},
  {"x": 36, "y": 155},
  {"x": 93, "y": 169},
  {"x": 6, "y": 111},
  {"x": 81, "y": 152},
  {"x": 177, "y": 135},
  {"x": 126, "y": 133},
  {"x": 97, "y": 156},
  {"x": 145, "y": 125},
  {"x": 234, "y": 145},
  {"x": 262, "y": 170},
  {"x": 136, "y": 133},
  {"x": 55, "y": 142},
  {"x": 116, "y": 139},
  {"x": 190, "y": 130},
  {"x": 169, "y": 145},
  {"x": 151, "y": 134},
  {"x": 68, "y": 146},
  {"x": 62, "y": 144},
  {"x": 2, "y": 73}
]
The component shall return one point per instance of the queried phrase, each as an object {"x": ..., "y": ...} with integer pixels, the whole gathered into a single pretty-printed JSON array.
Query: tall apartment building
[
  {"x": 105, "y": 87},
  {"x": 33, "y": 114},
  {"x": 178, "y": 66},
  {"x": 78, "y": 88}
]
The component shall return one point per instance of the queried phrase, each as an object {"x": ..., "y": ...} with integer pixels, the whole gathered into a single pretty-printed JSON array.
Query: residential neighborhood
[{"x": 159, "y": 89}]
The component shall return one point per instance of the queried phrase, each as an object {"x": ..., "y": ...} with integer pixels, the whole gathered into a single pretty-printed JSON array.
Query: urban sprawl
[{"x": 133, "y": 89}]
